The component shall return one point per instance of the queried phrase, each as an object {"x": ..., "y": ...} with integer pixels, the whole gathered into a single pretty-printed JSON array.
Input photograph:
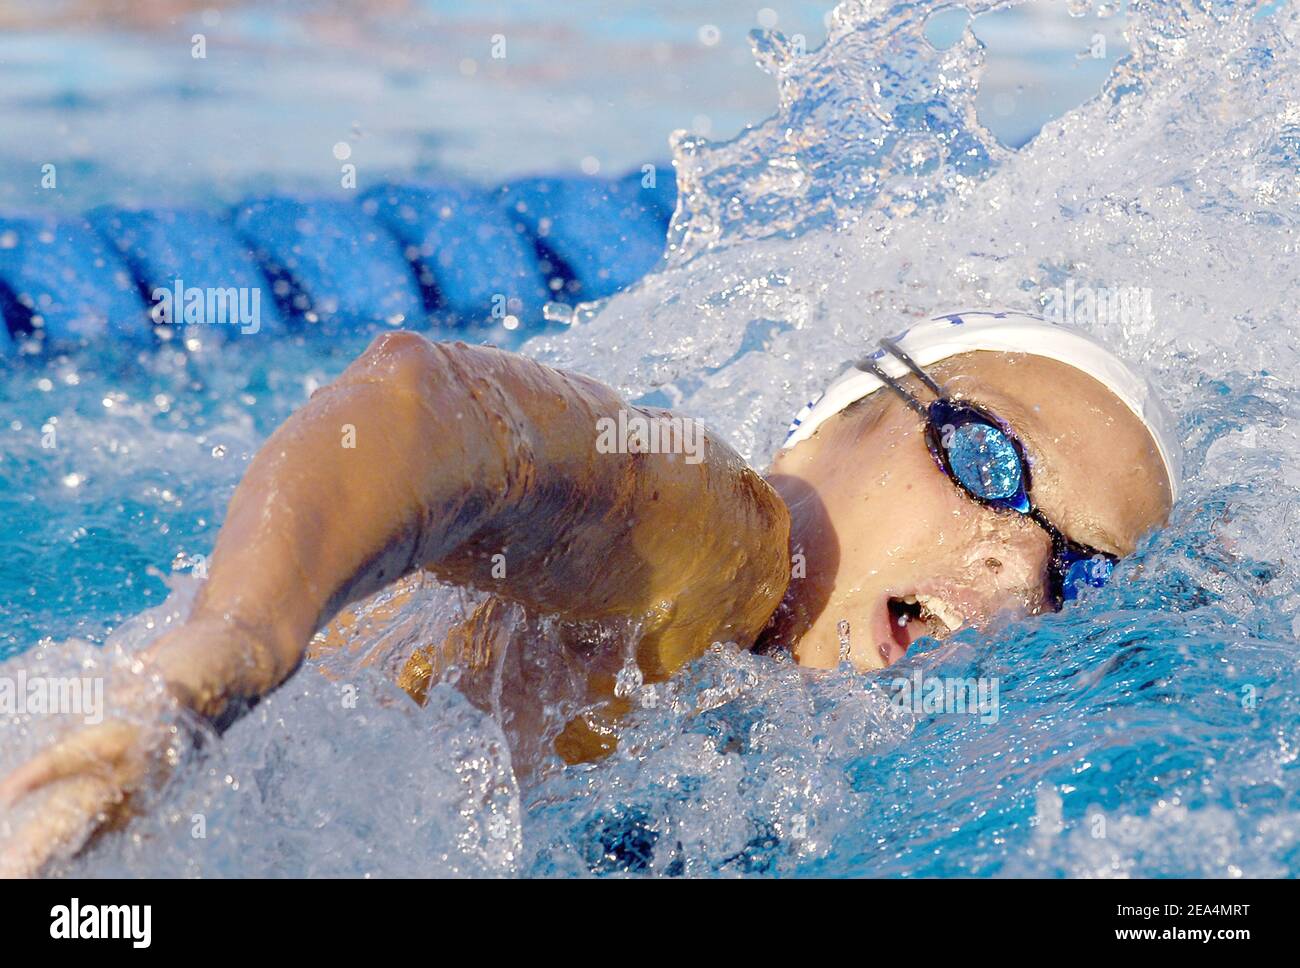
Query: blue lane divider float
[
  {"x": 330, "y": 264},
  {"x": 595, "y": 237},
  {"x": 450, "y": 255},
  {"x": 468, "y": 256},
  {"x": 61, "y": 283},
  {"x": 169, "y": 248}
]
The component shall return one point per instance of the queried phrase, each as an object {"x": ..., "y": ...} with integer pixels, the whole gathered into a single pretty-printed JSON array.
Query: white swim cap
[{"x": 1005, "y": 332}]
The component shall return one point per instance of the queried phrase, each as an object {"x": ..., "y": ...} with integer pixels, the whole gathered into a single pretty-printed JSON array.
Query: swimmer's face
[{"x": 893, "y": 550}]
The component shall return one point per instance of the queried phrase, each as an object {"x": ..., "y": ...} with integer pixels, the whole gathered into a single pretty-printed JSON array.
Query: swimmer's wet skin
[{"x": 461, "y": 453}]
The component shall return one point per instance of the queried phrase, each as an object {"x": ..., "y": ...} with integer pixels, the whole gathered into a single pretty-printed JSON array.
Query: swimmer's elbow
[
  {"x": 401, "y": 359},
  {"x": 440, "y": 374}
]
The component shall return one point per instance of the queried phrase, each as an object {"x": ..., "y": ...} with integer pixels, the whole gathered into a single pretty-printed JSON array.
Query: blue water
[{"x": 1149, "y": 731}]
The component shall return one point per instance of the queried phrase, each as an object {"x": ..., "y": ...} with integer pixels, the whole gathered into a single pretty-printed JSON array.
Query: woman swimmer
[{"x": 1010, "y": 462}]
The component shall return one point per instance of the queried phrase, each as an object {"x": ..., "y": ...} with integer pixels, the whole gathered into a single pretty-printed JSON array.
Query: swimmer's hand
[
  {"x": 87, "y": 779},
  {"x": 53, "y": 803}
]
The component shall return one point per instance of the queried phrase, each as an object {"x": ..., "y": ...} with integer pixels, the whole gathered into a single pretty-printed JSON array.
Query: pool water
[{"x": 1150, "y": 730}]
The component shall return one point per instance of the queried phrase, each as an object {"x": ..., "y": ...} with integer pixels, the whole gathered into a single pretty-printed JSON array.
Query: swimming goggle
[{"x": 981, "y": 455}]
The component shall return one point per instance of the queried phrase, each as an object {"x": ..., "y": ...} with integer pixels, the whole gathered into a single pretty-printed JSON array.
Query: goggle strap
[
  {"x": 889, "y": 381},
  {"x": 911, "y": 364}
]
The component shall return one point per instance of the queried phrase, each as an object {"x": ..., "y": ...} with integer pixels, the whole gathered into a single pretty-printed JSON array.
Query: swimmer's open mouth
[{"x": 913, "y": 617}]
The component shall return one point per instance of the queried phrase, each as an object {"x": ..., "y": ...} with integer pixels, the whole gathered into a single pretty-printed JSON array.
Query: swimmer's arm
[{"x": 482, "y": 466}]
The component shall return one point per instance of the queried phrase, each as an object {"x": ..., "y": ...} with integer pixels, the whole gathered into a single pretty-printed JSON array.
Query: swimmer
[{"x": 978, "y": 464}]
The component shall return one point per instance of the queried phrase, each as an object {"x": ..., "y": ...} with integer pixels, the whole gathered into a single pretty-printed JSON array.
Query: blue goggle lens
[
  {"x": 1085, "y": 572},
  {"x": 984, "y": 461}
]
